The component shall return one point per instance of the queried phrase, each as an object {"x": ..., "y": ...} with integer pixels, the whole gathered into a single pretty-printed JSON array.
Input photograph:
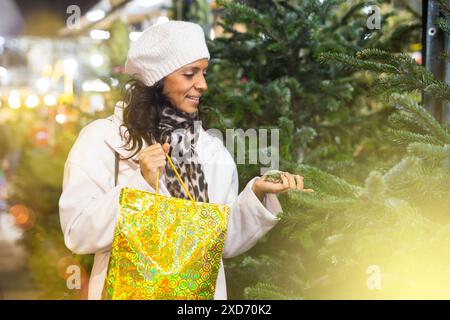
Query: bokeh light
[
  {"x": 50, "y": 100},
  {"x": 14, "y": 100},
  {"x": 32, "y": 101},
  {"x": 60, "y": 118},
  {"x": 23, "y": 216}
]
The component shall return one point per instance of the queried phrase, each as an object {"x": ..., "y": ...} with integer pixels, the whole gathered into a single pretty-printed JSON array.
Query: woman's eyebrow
[{"x": 195, "y": 68}]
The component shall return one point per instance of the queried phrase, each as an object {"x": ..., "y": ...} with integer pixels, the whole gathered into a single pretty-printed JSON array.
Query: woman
[{"x": 168, "y": 63}]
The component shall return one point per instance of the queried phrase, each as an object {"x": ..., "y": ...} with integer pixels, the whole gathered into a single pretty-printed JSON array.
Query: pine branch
[
  {"x": 445, "y": 55},
  {"x": 350, "y": 62},
  {"x": 444, "y": 6},
  {"x": 375, "y": 186},
  {"x": 429, "y": 123},
  {"x": 383, "y": 56},
  {"x": 265, "y": 291},
  {"x": 324, "y": 203},
  {"x": 397, "y": 172},
  {"x": 326, "y": 183},
  {"x": 443, "y": 24},
  {"x": 401, "y": 71},
  {"x": 428, "y": 151},
  {"x": 403, "y": 137},
  {"x": 406, "y": 122}
]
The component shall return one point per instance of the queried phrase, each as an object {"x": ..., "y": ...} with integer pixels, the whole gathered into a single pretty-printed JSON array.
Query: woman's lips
[{"x": 195, "y": 100}]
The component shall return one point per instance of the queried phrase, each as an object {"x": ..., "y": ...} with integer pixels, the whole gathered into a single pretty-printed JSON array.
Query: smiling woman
[
  {"x": 168, "y": 64},
  {"x": 185, "y": 86}
]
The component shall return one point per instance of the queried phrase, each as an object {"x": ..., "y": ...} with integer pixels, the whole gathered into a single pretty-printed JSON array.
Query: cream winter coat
[{"x": 89, "y": 201}]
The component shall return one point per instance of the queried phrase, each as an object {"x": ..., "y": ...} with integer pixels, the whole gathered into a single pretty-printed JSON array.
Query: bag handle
[{"x": 178, "y": 176}]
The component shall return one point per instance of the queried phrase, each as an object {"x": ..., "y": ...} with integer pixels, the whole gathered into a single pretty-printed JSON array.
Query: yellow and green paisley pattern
[{"x": 165, "y": 248}]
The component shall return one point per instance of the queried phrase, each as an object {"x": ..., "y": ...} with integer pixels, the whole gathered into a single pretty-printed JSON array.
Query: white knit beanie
[{"x": 164, "y": 48}]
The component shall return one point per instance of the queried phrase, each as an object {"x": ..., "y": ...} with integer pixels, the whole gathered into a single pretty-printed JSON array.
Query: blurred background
[{"x": 359, "y": 91}]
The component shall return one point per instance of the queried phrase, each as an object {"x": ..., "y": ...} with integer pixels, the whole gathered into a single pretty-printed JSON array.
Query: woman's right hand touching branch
[{"x": 152, "y": 159}]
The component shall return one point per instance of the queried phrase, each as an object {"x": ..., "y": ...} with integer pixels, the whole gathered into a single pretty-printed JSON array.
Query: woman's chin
[{"x": 189, "y": 108}]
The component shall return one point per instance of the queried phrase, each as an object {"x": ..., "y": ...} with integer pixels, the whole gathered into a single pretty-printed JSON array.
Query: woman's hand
[
  {"x": 288, "y": 182},
  {"x": 151, "y": 159}
]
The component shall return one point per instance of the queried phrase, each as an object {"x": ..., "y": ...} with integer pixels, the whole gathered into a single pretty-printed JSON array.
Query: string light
[
  {"x": 134, "y": 35},
  {"x": 70, "y": 66},
  {"x": 50, "y": 100},
  {"x": 42, "y": 84},
  {"x": 60, "y": 118},
  {"x": 14, "y": 100},
  {"x": 95, "y": 15},
  {"x": 31, "y": 101},
  {"x": 99, "y": 34},
  {"x": 95, "y": 86},
  {"x": 96, "y": 60}
]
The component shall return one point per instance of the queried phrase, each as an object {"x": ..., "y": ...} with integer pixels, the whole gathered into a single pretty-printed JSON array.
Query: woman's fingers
[
  {"x": 291, "y": 180},
  {"x": 299, "y": 181},
  {"x": 296, "y": 182}
]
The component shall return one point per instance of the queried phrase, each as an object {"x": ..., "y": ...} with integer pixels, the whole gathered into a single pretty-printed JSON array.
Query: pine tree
[
  {"x": 396, "y": 223},
  {"x": 266, "y": 65},
  {"x": 266, "y": 72},
  {"x": 384, "y": 239}
]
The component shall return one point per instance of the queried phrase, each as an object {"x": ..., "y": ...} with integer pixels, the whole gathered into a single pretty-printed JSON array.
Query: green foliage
[
  {"x": 395, "y": 222},
  {"x": 397, "y": 72},
  {"x": 328, "y": 243},
  {"x": 265, "y": 72}
]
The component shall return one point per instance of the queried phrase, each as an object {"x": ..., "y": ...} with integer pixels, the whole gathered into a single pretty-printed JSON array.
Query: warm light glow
[
  {"x": 23, "y": 216},
  {"x": 32, "y": 101},
  {"x": 114, "y": 82},
  {"x": 99, "y": 34},
  {"x": 3, "y": 72},
  {"x": 96, "y": 60},
  {"x": 43, "y": 84},
  {"x": 70, "y": 67},
  {"x": 14, "y": 100},
  {"x": 95, "y": 86},
  {"x": 61, "y": 118},
  {"x": 134, "y": 35},
  {"x": 50, "y": 100},
  {"x": 162, "y": 19},
  {"x": 212, "y": 34},
  {"x": 95, "y": 15}
]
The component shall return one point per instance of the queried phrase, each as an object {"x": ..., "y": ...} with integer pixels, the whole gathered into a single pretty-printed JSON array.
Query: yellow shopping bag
[{"x": 165, "y": 247}]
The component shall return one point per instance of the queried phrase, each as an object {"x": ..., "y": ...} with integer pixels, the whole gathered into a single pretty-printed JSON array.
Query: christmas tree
[
  {"x": 386, "y": 238},
  {"x": 266, "y": 73}
]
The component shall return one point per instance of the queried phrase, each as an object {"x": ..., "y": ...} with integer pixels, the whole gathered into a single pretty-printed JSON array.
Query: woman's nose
[{"x": 201, "y": 84}]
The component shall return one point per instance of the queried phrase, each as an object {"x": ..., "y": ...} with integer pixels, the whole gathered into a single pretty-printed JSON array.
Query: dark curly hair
[{"x": 141, "y": 115}]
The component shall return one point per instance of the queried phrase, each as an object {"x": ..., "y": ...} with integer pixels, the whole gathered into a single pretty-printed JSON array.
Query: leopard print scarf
[{"x": 177, "y": 129}]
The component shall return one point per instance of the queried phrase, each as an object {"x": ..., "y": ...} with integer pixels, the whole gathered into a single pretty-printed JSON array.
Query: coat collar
[{"x": 207, "y": 145}]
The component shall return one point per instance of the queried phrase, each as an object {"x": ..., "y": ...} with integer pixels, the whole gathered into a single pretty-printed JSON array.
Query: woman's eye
[{"x": 189, "y": 75}]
